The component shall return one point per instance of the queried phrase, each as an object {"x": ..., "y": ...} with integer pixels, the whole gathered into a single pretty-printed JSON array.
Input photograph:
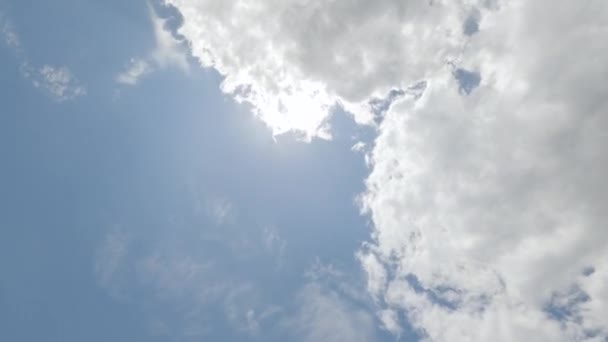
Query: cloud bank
[
  {"x": 487, "y": 195},
  {"x": 489, "y": 204}
]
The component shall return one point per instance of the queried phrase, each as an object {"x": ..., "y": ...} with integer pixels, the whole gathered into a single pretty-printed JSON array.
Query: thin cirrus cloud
[
  {"x": 192, "y": 285},
  {"x": 200, "y": 294},
  {"x": 330, "y": 307},
  {"x": 486, "y": 191},
  {"x": 324, "y": 315}
]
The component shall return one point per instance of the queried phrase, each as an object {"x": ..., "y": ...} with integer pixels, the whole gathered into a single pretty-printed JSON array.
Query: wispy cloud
[
  {"x": 275, "y": 245},
  {"x": 137, "y": 69},
  {"x": 168, "y": 52},
  {"x": 331, "y": 307},
  {"x": 8, "y": 33},
  {"x": 220, "y": 210},
  {"x": 196, "y": 285},
  {"x": 247, "y": 313},
  {"x": 110, "y": 258},
  {"x": 59, "y": 82}
]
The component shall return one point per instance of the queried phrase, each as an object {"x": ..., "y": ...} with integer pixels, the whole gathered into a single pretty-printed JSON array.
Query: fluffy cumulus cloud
[
  {"x": 487, "y": 191},
  {"x": 294, "y": 60},
  {"x": 490, "y": 204}
]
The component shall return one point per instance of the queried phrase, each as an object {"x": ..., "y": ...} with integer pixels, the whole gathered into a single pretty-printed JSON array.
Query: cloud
[
  {"x": 168, "y": 52},
  {"x": 137, "y": 69},
  {"x": 203, "y": 294},
  {"x": 275, "y": 245},
  {"x": 294, "y": 60},
  {"x": 189, "y": 285},
  {"x": 332, "y": 307},
  {"x": 246, "y": 314},
  {"x": 325, "y": 316},
  {"x": 489, "y": 203},
  {"x": 59, "y": 82},
  {"x": 487, "y": 193},
  {"x": 261, "y": 242},
  {"x": 8, "y": 33},
  {"x": 177, "y": 277},
  {"x": 220, "y": 210},
  {"x": 188, "y": 293},
  {"x": 109, "y": 260}
]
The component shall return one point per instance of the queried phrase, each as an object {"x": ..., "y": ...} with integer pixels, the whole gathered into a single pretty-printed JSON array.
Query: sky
[{"x": 303, "y": 170}]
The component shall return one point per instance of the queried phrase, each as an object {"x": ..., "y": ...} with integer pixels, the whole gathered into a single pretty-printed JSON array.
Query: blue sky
[
  {"x": 205, "y": 170},
  {"x": 175, "y": 172}
]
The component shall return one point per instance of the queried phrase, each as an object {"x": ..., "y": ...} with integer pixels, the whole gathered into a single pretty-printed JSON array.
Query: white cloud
[
  {"x": 57, "y": 81},
  {"x": 168, "y": 52},
  {"x": 293, "y": 60},
  {"x": 488, "y": 208},
  {"x": 487, "y": 192}
]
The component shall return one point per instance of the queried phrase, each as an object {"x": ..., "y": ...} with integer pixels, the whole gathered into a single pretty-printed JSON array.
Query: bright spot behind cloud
[{"x": 294, "y": 60}]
